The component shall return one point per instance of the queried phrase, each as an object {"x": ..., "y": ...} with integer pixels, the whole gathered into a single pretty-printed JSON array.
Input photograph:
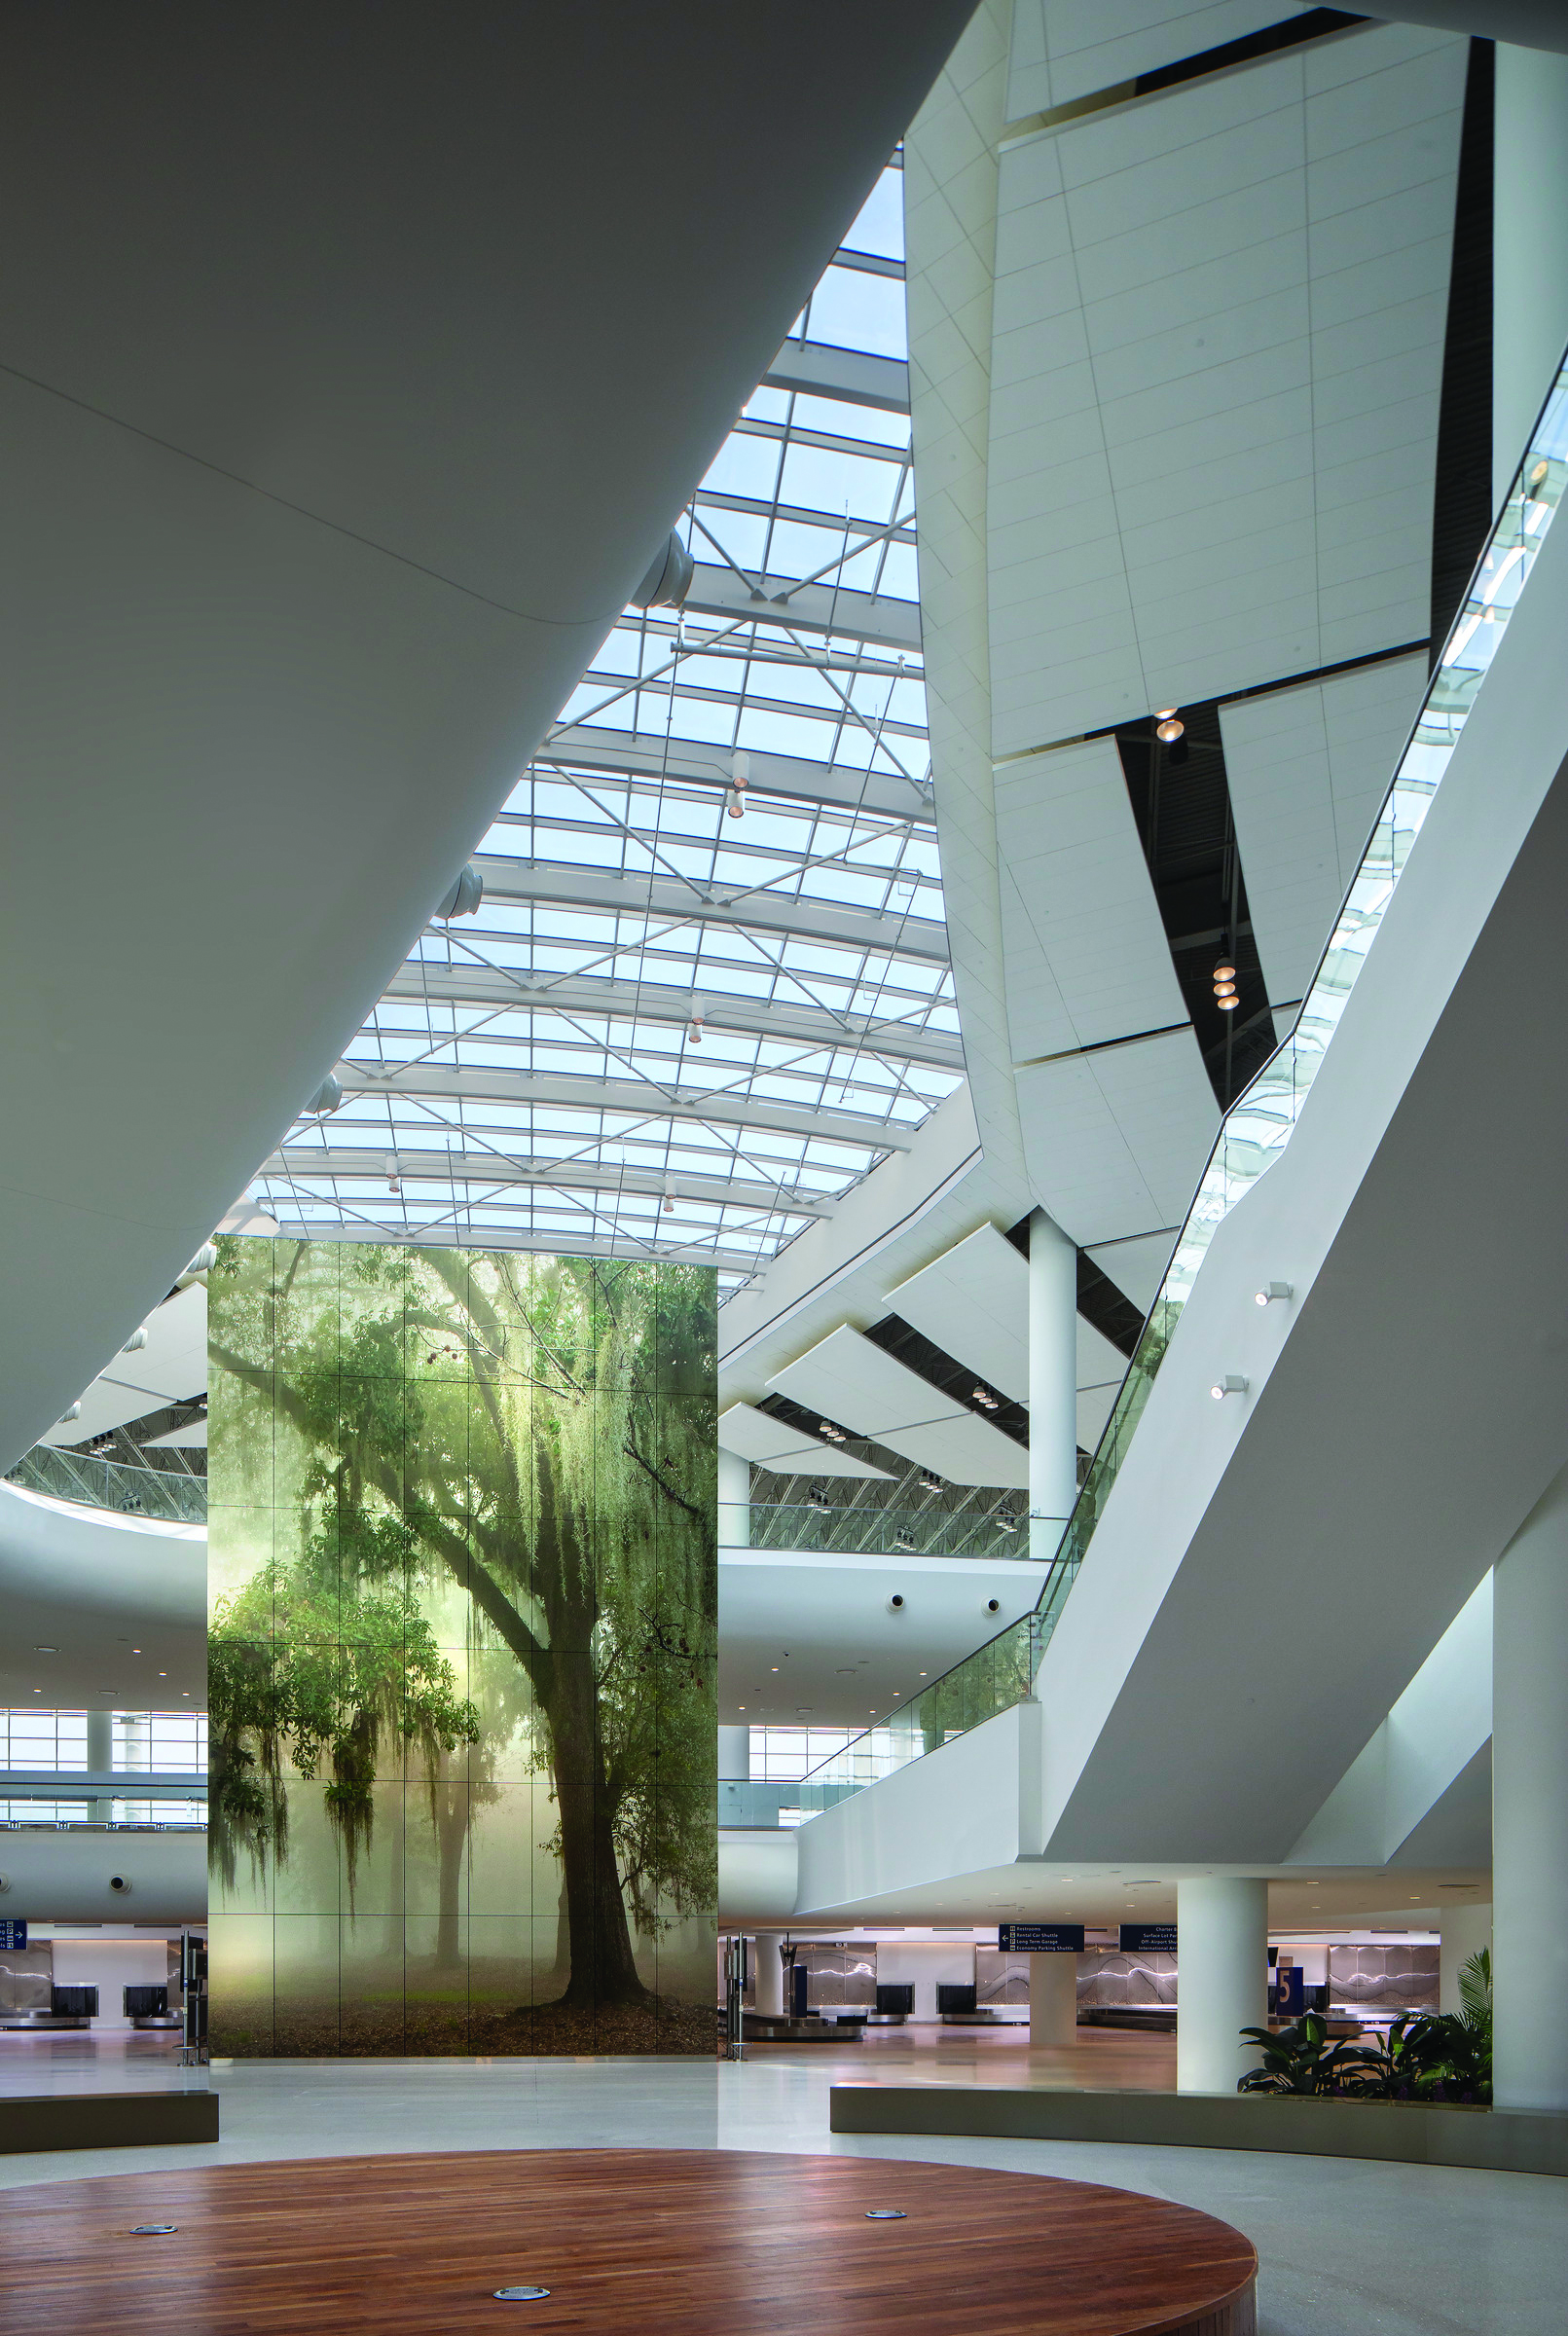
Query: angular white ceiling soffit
[
  {"x": 769, "y": 1443},
  {"x": 1217, "y": 339},
  {"x": 1068, "y": 48},
  {"x": 408, "y": 518},
  {"x": 1308, "y": 769},
  {"x": 852, "y": 1382},
  {"x": 171, "y": 1368},
  {"x": 671, "y": 1032},
  {"x": 973, "y": 1303}
]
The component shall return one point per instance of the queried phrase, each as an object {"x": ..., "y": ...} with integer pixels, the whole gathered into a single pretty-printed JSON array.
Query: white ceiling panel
[
  {"x": 1117, "y": 1141},
  {"x": 1136, "y": 1265},
  {"x": 964, "y": 1451},
  {"x": 768, "y": 1442},
  {"x": 973, "y": 1303},
  {"x": 1095, "y": 1405},
  {"x": 1308, "y": 769},
  {"x": 171, "y": 1368},
  {"x": 1066, "y": 48},
  {"x": 192, "y": 1438},
  {"x": 1085, "y": 952},
  {"x": 1218, "y": 337},
  {"x": 852, "y": 1381},
  {"x": 1100, "y": 1363}
]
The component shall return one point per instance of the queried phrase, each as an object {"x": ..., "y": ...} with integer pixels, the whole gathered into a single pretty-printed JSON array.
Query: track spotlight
[
  {"x": 929, "y": 1482},
  {"x": 1168, "y": 727},
  {"x": 1232, "y": 1384},
  {"x": 1270, "y": 1292},
  {"x": 394, "y": 1181},
  {"x": 326, "y": 1099},
  {"x": 464, "y": 897},
  {"x": 740, "y": 780},
  {"x": 668, "y": 1203},
  {"x": 668, "y": 577},
  {"x": 694, "y": 1032}
]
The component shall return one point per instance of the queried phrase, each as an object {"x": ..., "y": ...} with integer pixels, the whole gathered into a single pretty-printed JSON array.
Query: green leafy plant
[
  {"x": 1426, "y": 2057},
  {"x": 1299, "y": 2059}
]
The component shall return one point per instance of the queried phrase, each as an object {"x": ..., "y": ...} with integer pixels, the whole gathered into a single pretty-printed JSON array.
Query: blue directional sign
[
  {"x": 1148, "y": 1938},
  {"x": 12, "y": 1937},
  {"x": 1041, "y": 1938}
]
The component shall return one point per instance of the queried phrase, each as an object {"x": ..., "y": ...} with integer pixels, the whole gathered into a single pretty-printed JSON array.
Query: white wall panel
[
  {"x": 1138, "y": 1266},
  {"x": 973, "y": 1303},
  {"x": 1218, "y": 337},
  {"x": 850, "y": 1381},
  {"x": 1065, "y": 49},
  {"x": 1084, "y": 950},
  {"x": 1308, "y": 769},
  {"x": 1117, "y": 1140},
  {"x": 769, "y": 1443}
]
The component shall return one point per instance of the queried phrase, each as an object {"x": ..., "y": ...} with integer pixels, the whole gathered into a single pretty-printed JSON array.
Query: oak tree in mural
[{"x": 540, "y": 1432}]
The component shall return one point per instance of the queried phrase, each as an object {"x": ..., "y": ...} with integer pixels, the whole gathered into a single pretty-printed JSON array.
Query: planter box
[{"x": 1498, "y": 2141}]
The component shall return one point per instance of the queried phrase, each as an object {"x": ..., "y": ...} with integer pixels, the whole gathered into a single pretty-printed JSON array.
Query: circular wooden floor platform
[{"x": 661, "y": 2242}]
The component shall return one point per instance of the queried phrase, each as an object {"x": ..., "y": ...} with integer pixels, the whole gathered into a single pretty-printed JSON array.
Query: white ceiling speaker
[
  {"x": 464, "y": 900},
  {"x": 326, "y": 1099},
  {"x": 669, "y": 578}
]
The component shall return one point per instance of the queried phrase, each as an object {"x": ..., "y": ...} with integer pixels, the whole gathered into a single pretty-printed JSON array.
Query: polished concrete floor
[{"x": 1347, "y": 2249}]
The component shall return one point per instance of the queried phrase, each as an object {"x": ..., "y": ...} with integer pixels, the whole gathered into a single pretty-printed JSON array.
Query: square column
[{"x": 1530, "y": 1809}]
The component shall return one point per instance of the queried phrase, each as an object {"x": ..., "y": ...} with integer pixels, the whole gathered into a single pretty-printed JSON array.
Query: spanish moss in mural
[{"x": 461, "y": 1661}]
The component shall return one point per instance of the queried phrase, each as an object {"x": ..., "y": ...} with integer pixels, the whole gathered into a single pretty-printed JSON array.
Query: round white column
[
  {"x": 1053, "y": 1998},
  {"x": 1221, "y": 1980},
  {"x": 734, "y": 1501},
  {"x": 770, "y": 1974},
  {"x": 1053, "y": 1379},
  {"x": 1530, "y": 1809},
  {"x": 1464, "y": 1931}
]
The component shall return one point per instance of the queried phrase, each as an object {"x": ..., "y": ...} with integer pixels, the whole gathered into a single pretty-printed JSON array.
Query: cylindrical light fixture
[{"x": 1168, "y": 725}]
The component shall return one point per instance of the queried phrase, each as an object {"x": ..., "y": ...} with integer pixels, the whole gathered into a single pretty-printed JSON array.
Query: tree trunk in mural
[
  {"x": 452, "y": 1837},
  {"x": 603, "y": 1968}
]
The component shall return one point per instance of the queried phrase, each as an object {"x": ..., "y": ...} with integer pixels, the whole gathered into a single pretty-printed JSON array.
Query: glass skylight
[{"x": 670, "y": 1029}]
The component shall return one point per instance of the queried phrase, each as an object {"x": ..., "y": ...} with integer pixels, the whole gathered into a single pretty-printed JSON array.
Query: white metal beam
[
  {"x": 667, "y": 898},
  {"x": 463, "y": 985},
  {"x": 638, "y": 1097},
  {"x": 646, "y": 754},
  {"x": 825, "y": 608},
  {"x": 415, "y": 1165},
  {"x": 819, "y": 370}
]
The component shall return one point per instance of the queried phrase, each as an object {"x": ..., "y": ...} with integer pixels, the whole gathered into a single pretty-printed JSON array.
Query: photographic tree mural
[{"x": 536, "y": 1435}]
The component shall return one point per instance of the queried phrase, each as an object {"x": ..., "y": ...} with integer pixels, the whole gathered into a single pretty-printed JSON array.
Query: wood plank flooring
[{"x": 664, "y": 2243}]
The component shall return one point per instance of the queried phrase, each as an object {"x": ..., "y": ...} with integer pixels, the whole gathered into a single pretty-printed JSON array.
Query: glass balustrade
[
  {"x": 167, "y": 1493},
  {"x": 990, "y": 1532},
  {"x": 1257, "y": 1127}
]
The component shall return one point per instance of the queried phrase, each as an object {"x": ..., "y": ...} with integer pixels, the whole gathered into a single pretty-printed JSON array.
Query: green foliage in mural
[{"x": 538, "y": 1432}]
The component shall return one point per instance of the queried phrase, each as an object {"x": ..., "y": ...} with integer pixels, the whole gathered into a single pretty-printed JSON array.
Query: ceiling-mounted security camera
[
  {"x": 993, "y": 1605},
  {"x": 118, "y": 1881},
  {"x": 896, "y": 1604}
]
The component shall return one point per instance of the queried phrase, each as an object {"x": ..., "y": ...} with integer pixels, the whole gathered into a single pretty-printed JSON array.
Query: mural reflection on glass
[{"x": 462, "y": 1580}]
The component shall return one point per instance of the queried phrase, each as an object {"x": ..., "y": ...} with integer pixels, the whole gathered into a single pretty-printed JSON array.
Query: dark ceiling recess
[
  {"x": 1462, "y": 488},
  {"x": 1181, "y": 803},
  {"x": 1110, "y": 1309},
  {"x": 905, "y": 1344}
]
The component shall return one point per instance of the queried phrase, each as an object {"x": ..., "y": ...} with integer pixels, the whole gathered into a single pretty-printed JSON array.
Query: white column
[
  {"x": 770, "y": 1974},
  {"x": 1053, "y": 1376},
  {"x": 735, "y": 1755},
  {"x": 1529, "y": 245},
  {"x": 1053, "y": 1998},
  {"x": 1221, "y": 1980},
  {"x": 1466, "y": 1930},
  {"x": 734, "y": 1501},
  {"x": 1530, "y": 1809},
  {"x": 100, "y": 1740}
]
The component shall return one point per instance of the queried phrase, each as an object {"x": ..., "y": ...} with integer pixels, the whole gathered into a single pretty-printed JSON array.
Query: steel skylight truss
[{"x": 669, "y": 1030}]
